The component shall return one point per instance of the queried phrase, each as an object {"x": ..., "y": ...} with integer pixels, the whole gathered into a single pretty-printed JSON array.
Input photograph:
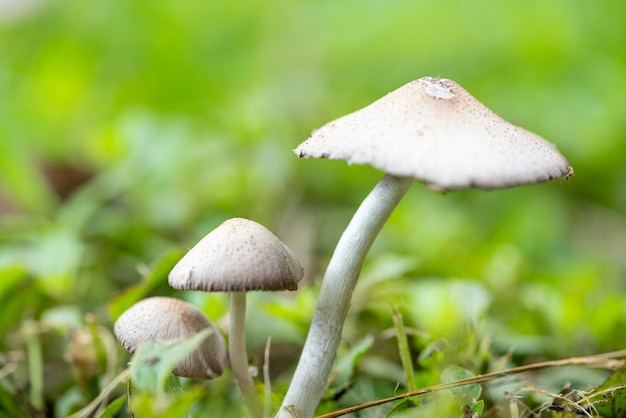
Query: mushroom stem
[
  {"x": 239, "y": 356},
  {"x": 309, "y": 381}
]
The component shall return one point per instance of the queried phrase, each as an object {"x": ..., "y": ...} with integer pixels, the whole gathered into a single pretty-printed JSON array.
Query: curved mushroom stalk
[
  {"x": 320, "y": 348},
  {"x": 431, "y": 130}
]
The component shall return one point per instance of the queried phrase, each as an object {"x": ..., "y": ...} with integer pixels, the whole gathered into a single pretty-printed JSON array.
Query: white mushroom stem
[
  {"x": 239, "y": 356},
  {"x": 311, "y": 375}
]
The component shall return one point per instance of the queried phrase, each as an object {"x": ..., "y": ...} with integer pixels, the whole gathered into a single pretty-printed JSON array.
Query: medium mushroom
[
  {"x": 238, "y": 256},
  {"x": 430, "y": 130},
  {"x": 163, "y": 318}
]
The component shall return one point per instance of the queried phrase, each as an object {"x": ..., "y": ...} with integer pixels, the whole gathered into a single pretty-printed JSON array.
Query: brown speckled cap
[
  {"x": 433, "y": 130},
  {"x": 163, "y": 318},
  {"x": 238, "y": 256}
]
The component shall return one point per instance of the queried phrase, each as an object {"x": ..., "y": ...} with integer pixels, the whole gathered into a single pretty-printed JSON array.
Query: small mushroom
[
  {"x": 431, "y": 130},
  {"x": 163, "y": 318},
  {"x": 238, "y": 256}
]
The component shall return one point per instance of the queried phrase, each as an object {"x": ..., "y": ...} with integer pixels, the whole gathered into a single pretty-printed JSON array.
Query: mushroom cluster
[
  {"x": 431, "y": 130},
  {"x": 238, "y": 256}
]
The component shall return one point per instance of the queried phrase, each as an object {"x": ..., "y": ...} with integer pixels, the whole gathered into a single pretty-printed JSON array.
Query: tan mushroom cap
[
  {"x": 433, "y": 130},
  {"x": 238, "y": 256},
  {"x": 163, "y": 318}
]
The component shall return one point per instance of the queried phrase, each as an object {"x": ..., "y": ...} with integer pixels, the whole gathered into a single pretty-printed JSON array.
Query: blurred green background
[{"x": 130, "y": 129}]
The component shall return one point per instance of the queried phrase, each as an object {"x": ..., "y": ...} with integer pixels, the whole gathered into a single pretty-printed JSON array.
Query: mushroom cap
[
  {"x": 433, "y": 130},
  {"x": 163, "y": 318},
  {"x": 238, "y": 256}
]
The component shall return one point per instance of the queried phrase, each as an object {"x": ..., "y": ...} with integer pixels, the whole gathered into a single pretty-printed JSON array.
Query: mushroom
[
  {"x": 238, "y": 256},
  {"x": 163, "y": 318},
  {"x": 430, "y": 130}
]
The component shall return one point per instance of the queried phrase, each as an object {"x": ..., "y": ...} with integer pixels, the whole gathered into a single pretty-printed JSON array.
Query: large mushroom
[
  {"x": 169, "y": 319},
  {"x": 430, "y": 130},
  {"x": 238, "y": 256}
]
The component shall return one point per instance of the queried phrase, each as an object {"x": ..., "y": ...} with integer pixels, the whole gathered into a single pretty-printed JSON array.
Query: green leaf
[
  {"x": 10, "y": 403},
  {"x": 114, "y": 407},
  {"x": 151, "y": 280},
  {"x": 477, "y": 408},
  {"x": 344, "y": 367},
  {"x": 16, "y": 293},
  {"x": 9, "y": 278},
  {"x": 466, "y": 395},
  {"x": 609, "y": 399},
  {"x": 402, "y": 407},
  {"x": 153, "y": 362},
  {"x": 175, "y": 405},
  {"x": 341, "y": 377}
]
